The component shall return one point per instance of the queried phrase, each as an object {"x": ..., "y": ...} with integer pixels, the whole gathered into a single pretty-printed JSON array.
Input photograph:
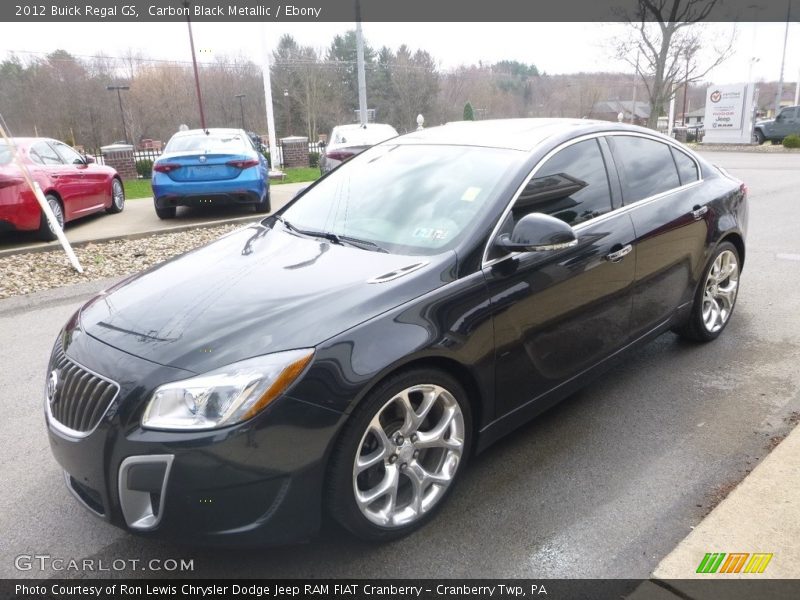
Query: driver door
[{"x": 558, "y": 313}]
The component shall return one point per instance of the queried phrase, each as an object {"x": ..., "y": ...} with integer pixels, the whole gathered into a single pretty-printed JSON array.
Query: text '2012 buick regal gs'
[{"x": 346, "y": 356}]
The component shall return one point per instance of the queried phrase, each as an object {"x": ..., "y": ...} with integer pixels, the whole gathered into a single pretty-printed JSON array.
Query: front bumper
[{"x": 256, "y": 483}]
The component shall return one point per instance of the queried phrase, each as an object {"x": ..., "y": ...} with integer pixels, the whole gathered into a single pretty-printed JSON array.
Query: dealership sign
[{"x": 729, "y": 110}]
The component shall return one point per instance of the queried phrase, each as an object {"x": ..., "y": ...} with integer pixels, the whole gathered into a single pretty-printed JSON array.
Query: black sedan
[{"x": 345, "y": 357}]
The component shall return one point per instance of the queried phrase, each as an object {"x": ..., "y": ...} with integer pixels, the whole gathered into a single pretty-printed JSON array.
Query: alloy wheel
[
  {"x": 721, "y": 286},
  {"x": 408, "y": 456},
  {"x": 118, "y": 194}
]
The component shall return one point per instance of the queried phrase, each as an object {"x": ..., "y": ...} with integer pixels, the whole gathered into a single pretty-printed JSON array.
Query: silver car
[{"x": 348, "y": 140}]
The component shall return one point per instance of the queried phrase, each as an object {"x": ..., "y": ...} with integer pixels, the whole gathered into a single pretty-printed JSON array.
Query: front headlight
[{"x": 225, "y": 396}]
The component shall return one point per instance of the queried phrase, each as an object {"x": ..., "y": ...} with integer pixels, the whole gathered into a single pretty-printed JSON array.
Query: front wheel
[
  {"x": 117, "y": 197},
  {"x": 715, "y": 297},
  {"x": 399, "y": 455},
  {"x": 758, "y": 137}
]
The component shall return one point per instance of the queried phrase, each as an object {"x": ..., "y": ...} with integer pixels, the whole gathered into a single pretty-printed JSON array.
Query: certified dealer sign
[{"x": 727, "y": 117}]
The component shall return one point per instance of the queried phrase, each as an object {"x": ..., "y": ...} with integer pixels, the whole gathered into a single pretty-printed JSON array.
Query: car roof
[
  {"x": 211, "y": 130},
  {"x": 512, "y": 134},
  {"x": 27, "y": 141},
  {"x": 358, "y": 126}
]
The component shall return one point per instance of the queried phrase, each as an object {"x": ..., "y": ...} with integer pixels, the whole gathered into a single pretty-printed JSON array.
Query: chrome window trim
[
  {"x": 67, "y": 431},
  {"x": 485, "y": 262}
]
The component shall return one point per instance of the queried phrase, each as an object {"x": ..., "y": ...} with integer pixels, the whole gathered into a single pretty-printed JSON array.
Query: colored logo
[
  {"x": 735, "y": 562},
  {"x": 716, "y": 96}
]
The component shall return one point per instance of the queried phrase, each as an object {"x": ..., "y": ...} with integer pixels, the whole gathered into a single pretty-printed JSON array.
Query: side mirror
[
  {"x": 89, "y": 159},
  {"x": 536, "y": 232},
  {"x": 322, "y": 143}
]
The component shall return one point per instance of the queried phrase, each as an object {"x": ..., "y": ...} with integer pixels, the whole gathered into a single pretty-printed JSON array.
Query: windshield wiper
[
  {"x": 364, "y": 244},
  {"x": 333, "y": 237}
]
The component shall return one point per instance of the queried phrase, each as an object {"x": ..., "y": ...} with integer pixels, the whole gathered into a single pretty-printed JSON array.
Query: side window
[
  {"x": 687, "y": 168},
  {"x": 647, "y": 167},
  {"x": 70, "y": 156},
  {"x": 45, "y": 155},
  {"x": 571, "y": 186}
]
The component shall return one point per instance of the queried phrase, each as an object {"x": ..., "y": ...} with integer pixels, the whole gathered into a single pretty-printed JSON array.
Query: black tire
[
  {"x": 695, "y": 328},
  {"x": 117, "y": 197},
  {"x": 45, "y": 232},
  {"x": 340, "y": 497},
  {"x": 758, "y": 135},
  {"x": 168, "y": 212},
  {"x": 264, "y": 206}
]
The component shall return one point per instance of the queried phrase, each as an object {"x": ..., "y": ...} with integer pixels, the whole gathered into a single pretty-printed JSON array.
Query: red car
[{"x": 73, "y": 184}]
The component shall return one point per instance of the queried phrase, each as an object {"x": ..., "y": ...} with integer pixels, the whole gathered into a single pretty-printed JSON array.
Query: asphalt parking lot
[{"x": 604, "y": 485}]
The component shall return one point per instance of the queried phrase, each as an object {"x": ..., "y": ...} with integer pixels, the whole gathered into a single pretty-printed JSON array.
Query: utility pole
[
  {"x": 685, "y": 90},
  {"x": 118, "y": 88},
  {"x": 241, "y": 106},
  {"x": 633, "y": 103},
  {"x": 186, "y": 4},
  {"x": 362, "y": 80},
  {"x": 783, "y": 57}
]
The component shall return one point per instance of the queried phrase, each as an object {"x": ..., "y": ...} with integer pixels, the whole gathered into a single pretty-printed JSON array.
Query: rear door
[
  {"x": 661, "y": 183},
  {"x": 557, "y": 313}
]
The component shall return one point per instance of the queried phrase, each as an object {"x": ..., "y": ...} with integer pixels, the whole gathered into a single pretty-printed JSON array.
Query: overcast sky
[{"x": 556, "y": 48}]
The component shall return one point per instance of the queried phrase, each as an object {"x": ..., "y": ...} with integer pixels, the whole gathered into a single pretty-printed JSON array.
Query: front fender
[{"x": 450, "y": 324}]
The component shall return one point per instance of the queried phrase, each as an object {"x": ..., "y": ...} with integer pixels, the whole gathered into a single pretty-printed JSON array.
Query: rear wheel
[
  {"x": 168, "y": 212},
  {"x": 715, "y": 298},
  {"x": 117, "y": 197},
  {"x": 399, "y": 455},
  {"x": 46, "y": 232},
  {"x": 264, "y": 205}
]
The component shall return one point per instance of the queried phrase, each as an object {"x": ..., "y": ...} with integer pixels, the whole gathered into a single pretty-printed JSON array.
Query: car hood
[{"x": 255, "y": 291}]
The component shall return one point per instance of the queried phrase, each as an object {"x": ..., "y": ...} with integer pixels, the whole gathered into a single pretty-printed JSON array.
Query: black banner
[
  {"x": 396, "y": 589},
  {"x": 371, "y": 10}
]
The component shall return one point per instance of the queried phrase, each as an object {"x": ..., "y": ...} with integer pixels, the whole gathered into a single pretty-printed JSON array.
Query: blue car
[{"x": 210, "y": 167}]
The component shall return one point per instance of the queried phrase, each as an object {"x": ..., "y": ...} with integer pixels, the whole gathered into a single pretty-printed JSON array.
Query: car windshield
[
  {"x": 406, "y": 199},
  {"x": 212, "y": 142}
]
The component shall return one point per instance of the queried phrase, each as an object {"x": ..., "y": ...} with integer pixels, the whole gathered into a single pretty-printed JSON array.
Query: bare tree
[{"x": 664, "y": 46}]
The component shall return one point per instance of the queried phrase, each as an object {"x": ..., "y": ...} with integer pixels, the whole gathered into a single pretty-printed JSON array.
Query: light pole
[
  {"x": 241, "y": 106},
  {"x": 118, "y": 89},
  {"x": 685, "y": 89}
]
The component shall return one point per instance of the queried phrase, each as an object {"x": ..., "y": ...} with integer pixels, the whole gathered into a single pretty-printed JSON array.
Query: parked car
[
  {"x": 786, "y": 122},
  {"x": 346, "y": 141},
  {"x": 345, "y": 357},
  {"x": 212, "y": 166},
  {"x": 73, "y": 184}
]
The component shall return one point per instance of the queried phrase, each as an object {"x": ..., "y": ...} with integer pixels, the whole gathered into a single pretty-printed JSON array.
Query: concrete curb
[{"x": 761, "y": 515}]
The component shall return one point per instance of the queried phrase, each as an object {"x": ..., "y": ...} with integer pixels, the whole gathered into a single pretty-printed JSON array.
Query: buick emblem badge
[
  {"x": 52, "y": 385},
  {"x": 201, "y": 158}
]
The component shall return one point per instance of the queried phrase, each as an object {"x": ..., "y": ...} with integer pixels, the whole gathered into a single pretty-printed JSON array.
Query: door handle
[
  {"x": 54, "y": 175},
  {"x": 698, "y": 211},
  {"x": 618, "y": 255}
]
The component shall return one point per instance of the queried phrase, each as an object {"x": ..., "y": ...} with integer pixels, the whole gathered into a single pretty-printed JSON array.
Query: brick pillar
[
  {"x": 120, "y": 156},
  {"x": 295, "y": 151}
]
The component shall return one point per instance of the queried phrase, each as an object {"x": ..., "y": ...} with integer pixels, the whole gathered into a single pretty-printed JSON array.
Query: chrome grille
[{"x": 80, "y": 398}]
